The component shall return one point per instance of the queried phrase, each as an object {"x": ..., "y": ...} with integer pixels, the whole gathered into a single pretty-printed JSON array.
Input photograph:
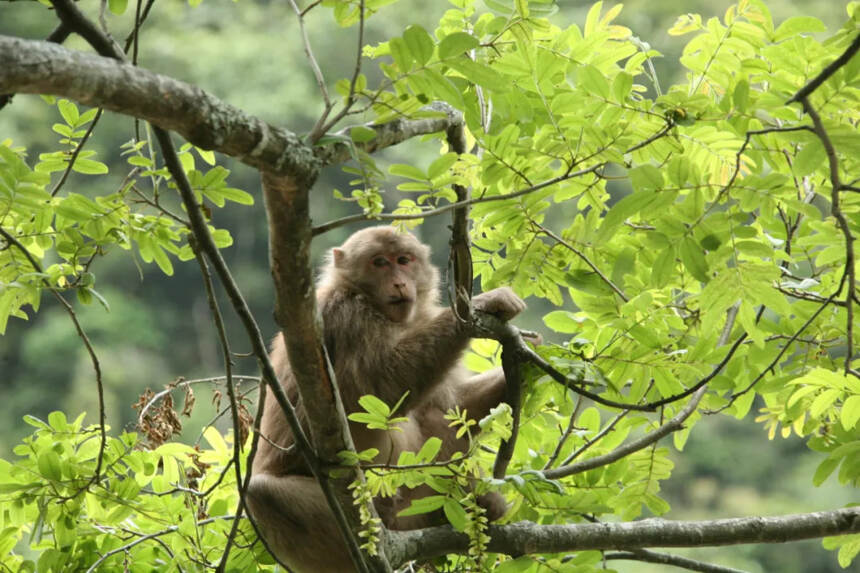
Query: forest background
[{"x": 158, "y": 327}]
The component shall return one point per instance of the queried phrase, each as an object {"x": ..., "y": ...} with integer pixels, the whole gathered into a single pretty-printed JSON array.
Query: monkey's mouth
[{"x": 398, "y": 301}]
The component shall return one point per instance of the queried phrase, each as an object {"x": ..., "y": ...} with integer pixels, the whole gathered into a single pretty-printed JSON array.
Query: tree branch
[
  {"x": 288, "y": 212},
  {"x": 674, "y": 560},
  {"x": 94, "y": 359},
  {"x": 827, "y": 72},
  {"x": 28, "y": 66},
  {"x": 339, "y": 147},
  {"x": 673, "y": 425},
  {"x": 527, "y": 538}
]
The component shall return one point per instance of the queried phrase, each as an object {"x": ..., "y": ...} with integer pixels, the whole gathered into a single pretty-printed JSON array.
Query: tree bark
[
  {"x": 35, "y": 67},
  {"x": 524, "y": 537}
]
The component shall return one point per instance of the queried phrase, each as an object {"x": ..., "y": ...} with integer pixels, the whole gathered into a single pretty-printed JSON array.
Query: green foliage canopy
[{"x": 693, "y": 235}]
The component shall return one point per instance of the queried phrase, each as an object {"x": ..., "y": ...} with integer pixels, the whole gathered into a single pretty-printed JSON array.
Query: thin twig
[
  {"x": 315, "y": 68},
  {"x": 252, "y": 453},
  {"x": 647, "y": 556},
  {"x": 87, "y": 344},
  {"x": 828, "y": 71},
  {"x": 78, "y": 148},
  {"x": 584, "y": 258},
  {"x": 147, "y": 537},
  {"x": 325, "y": 227},
  {"x": 318, "y": 130},
  {"x": 785, "y": 348},
  {"x": 673, "y": 425},
  {"x": 588, "y": 443},
  {"x": 841, "y": 221},
  {"x": 513, "y": 383},
  {"x": 218, "y": 319},
  {"x": 328, "y": 226},
  {"x": 571, "y": 424},
  {"x": 207, "y": 244}
]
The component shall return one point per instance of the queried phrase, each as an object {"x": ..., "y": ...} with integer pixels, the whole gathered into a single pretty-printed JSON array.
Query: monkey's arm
[{"x": 427, "y": 351}]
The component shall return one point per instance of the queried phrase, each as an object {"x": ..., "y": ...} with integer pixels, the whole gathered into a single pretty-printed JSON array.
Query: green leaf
[
  {"x": 89, "y": 167},
  {"x": 408, "y": 171},
  {"x": 429, "y": 450},
  {"x": 562, "y": 321},
  {"x": 850, "y": 412},
  {"x": 663, "y": 267},
  {"x": 518, "y": 565},
  {"x": 424, "y": 505},
  {"x": 626, "y": 207},
  {"x": 207, "y": 155},
  {"x": 140, "y": 161},
  {"x": 522, "y": 8},
  {"x": 646, "y": 178},
  {"x": 593, "y": 81},
  {"x": 798, "y": 25},
  {"x": 63, "y": 129},
  {"x": 824, "y": 469},
  {"x": 362, "y": 134},
  {"x": 118, "y": 6},
  {"x": 57, "y": 421},
  {"x": 162, "y": 260},
  {"x": 441, "y": 165},
  {"x": 592, "y": 19},
  {"x": 693, "y": 258},
  {"x": 810, "y": 158},
  {"x": 420, "y": 43},
  {"x": 455, "y": 513},
  {"x": 622, "y": 86},
  {"x": 48, "y": 462},
  {"x": 443, "y": 88},
  {"x": 456, "y": 44},
  {"x": 480, "y": 74},
  {"x": 686, "y": 24},
  {"x": 740, "y": 97},
  {"x": 69, "y": 111},
  {"x": 823, "y": 401},
  {"x": 400, "y": 54},
  {"x": 374, "y": 405},
  {"x": 236, "y": 195}
]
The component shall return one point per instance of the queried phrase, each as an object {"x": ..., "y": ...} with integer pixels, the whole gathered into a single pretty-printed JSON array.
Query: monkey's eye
[
  {"x": 379, "y": 261},
  {"x": 404, "y": 259}
]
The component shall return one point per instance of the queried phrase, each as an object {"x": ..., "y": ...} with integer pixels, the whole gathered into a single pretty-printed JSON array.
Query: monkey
[{"x": 386, "y": 333}]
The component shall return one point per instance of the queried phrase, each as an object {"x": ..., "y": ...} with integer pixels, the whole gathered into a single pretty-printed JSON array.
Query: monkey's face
[
  {"x": 391, "y": 269},
  {"x": 391, "y": 278}
]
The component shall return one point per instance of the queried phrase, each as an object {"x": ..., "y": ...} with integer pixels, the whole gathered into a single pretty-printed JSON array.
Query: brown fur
[{"x": 386, "y": 333}]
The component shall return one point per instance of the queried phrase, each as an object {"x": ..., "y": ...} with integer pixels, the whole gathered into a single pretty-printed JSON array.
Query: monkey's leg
[
  {"x": 297, "y": 523},
  {"x": 480, "y": 393}
]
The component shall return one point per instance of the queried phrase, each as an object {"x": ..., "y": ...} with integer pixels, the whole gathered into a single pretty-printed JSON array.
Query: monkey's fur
[{"x": 386, "y": 333}]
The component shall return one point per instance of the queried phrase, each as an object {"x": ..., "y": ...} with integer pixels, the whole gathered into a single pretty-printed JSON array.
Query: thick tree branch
[
  {"x": 339, "y": 147},
  {"x": 460, "y": 256},
  {"x": 58, "y": 36},
  {"x": 288, "y": 211},
  {"x": 527, "y": 538},
  {"x": 28, "y": 66}
]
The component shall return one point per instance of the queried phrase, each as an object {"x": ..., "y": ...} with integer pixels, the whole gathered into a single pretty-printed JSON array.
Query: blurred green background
[{"x": 249, "y": 54}]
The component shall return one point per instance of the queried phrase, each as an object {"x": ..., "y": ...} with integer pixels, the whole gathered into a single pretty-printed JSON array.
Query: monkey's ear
[{"x": 337, "y": 255}]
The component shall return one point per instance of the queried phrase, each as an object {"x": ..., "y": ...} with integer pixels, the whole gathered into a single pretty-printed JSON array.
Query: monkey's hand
[{"x": 501, "y": 302}]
